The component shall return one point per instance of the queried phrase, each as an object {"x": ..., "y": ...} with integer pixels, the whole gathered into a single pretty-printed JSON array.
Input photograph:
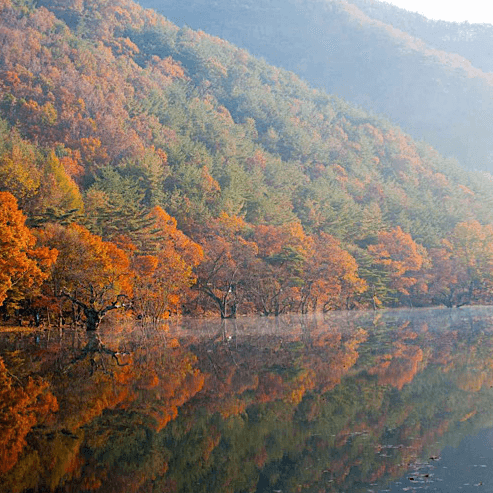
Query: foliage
[
  {"x": 21, "y": 408},
  {"x": 174, "y": 168},
  {"x": 22, "y": 266}
]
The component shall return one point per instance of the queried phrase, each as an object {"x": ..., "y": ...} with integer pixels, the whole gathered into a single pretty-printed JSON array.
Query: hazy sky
[{"x": 452, "y": 10}]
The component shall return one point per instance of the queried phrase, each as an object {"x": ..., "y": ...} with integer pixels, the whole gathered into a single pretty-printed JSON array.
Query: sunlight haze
[{"x": 473, "y": 11}]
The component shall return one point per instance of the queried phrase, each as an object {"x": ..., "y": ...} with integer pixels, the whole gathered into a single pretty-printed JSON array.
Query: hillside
[
  {"x": 385, "y": 59},
  {"x": 472, "y": 41},
  {"x": 170, "y": 168}
]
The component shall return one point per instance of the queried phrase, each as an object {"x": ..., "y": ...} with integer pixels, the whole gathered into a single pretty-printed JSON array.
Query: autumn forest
[{"x": 148, "y": 170}]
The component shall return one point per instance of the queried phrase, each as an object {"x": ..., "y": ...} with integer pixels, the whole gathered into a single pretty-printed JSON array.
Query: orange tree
[
  {"x": 22, "y": 266},
  {"x": 330, "y": 275},
  {"x": 163, "y": 272},
  {"x": 22, "y": 406},
  {"x": 462, "y": 270},
  {"x": 400, "y": 257},
  {"x": 276, "y": 283},
  {"x": 93, "y": 274},
  {"x": 222, "y": 275}
]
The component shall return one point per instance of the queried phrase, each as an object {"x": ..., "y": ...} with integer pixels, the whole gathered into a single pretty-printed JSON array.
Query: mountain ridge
[{"x": 434, "y": 95}]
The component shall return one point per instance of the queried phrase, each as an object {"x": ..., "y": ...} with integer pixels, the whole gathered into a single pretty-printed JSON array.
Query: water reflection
[{"x": 346, "y": 402}]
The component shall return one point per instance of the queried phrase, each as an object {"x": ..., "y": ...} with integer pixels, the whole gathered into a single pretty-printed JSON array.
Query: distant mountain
[
  {"x": 390, "y": 61},
  {"x": 472, "y": 41}
]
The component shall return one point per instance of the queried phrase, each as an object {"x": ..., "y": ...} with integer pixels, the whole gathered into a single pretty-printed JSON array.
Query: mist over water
[{"x": 350, "y": 401}]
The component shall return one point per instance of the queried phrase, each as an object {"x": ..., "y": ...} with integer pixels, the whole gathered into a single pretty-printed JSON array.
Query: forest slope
[
  {"x": 191, "y": 175},
  {"x": 372, "y": 54},
  {"x": 472, "y": 41}
]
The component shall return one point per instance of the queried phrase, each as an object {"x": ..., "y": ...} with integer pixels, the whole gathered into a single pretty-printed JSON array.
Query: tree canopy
[{"x": 170, "y": 167}]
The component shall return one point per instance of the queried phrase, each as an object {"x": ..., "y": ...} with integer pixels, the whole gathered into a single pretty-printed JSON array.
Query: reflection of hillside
[
  {"x": 104, "y": 404},
  {"x": 333, "y": 403}
]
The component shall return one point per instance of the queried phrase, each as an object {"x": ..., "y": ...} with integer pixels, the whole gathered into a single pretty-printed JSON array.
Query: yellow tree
[
  {"x": 19, "y": 172},
  {"x": 22, "y": 266},
  {"x": 58, "y": 188}
]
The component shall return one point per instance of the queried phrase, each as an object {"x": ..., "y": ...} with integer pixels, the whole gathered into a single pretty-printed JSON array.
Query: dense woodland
[
  {"x": 431, "y": 78},
  {"x": 160, "y": 170}
]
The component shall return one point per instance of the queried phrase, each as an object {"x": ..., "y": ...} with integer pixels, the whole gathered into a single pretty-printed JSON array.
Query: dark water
[{"x": 357, "y": 402}]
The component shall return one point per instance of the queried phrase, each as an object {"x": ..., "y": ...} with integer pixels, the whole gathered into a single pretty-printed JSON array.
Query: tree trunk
[
  {"x": 93, "y": 315},
  {"x": 93, "y": 318}
]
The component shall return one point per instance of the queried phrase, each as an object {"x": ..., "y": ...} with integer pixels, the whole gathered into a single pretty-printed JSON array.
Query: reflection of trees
[
  {"x": 284, "y": 368},
  {"x": 95, "y": 350},
  {"x": 23, "y": 405},
  {"x": 331, "y": 403},
  {"x": 349, "y": 428},
  {"x": 111, "y": 401},
  {"x": 399, "y": 366}
]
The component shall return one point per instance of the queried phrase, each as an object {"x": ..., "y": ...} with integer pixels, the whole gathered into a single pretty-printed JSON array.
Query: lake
[{"x": 346, "y": 401}]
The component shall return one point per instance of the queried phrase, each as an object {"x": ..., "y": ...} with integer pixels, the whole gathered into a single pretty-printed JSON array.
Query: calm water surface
[{"x": 359, "y": 402}]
